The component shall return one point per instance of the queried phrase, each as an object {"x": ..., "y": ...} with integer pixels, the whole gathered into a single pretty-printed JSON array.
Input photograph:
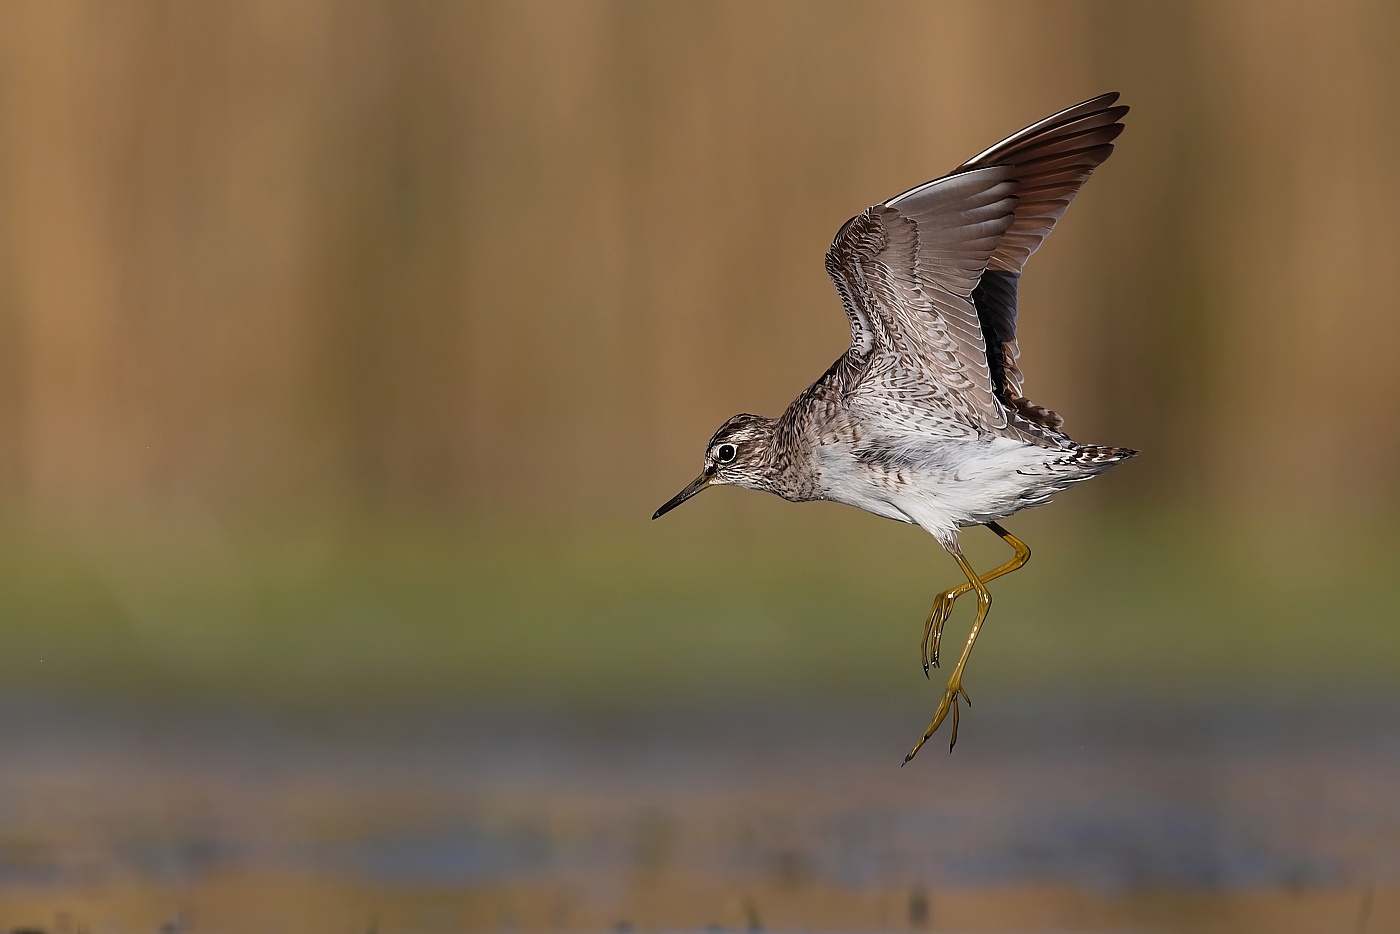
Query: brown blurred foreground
[
  {"x": 313, "y": 904},
  {"x": 1051, "y": 816}
]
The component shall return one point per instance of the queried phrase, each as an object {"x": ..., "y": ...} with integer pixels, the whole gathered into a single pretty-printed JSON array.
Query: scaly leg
[
  {"x": 943, "y": 605},
  {"x": 955, "y": 688}
]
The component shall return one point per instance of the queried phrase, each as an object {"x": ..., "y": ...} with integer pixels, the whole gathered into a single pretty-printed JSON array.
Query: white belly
[{"x": 943, "y": 485}]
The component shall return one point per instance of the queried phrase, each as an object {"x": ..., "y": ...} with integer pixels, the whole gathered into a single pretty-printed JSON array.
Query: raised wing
[
  {"x": 1052, "y": 160},
  {"x": 928, "y": 278},
  {"x": 906, "y": 270}
]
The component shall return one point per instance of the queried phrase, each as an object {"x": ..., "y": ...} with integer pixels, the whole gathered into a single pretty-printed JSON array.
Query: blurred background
[{"x": 346, "y": 349}]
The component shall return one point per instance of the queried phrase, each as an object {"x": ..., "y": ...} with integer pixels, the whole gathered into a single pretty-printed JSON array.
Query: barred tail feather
[{"x": 1099, "y": 457}]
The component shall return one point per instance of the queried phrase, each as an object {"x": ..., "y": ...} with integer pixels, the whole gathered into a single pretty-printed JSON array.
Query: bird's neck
[{"x": 788, "y": 458}]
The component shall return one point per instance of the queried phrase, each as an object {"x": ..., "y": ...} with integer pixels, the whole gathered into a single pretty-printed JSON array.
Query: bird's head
[{"x": 738, "y": 455}]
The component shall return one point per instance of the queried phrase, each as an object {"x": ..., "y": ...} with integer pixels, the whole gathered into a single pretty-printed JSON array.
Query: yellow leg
[
  {"x": 943, "y": 605},
  {"x": 984, "y": 603}
]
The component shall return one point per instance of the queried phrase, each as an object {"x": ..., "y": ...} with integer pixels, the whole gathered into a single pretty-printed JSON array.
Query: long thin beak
[{"x": 695, "y": 486}]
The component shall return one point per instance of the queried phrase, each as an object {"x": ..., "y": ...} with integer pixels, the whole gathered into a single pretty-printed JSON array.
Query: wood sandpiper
[{"x": 923, "y": 419}]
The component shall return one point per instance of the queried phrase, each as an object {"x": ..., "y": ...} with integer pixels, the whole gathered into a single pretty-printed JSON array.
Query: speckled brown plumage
[{"x": 924, "y": 418}]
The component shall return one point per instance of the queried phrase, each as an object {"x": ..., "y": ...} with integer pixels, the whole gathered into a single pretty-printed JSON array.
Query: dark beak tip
[{"x": 695, "y": 486}]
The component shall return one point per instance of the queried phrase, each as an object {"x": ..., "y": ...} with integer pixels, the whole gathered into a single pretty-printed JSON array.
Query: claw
[
  {"x": 950, "y": 701},
  {"x": 928, "y": 634},
  {"x": 933, "y": 626}
]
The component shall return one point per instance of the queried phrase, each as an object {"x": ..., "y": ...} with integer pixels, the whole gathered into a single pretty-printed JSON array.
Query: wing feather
[
  {"x": 1052, "y": 159},
  {"x": 928, "y": 278},
  {"x": 906, "y": 270}
]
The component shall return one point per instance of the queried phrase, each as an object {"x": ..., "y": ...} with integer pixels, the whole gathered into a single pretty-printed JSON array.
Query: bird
[{"x": 923, "y": 419}]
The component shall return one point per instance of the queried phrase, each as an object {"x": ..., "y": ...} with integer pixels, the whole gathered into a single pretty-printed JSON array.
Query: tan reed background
[{"x": 495, "y": 261}]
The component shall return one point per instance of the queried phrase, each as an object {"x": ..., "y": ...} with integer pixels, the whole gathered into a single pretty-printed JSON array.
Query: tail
[{"x": 1097, "y": 457}]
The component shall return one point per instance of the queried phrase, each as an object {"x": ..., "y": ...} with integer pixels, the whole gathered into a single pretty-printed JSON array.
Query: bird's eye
[{"x": 726, "y": 453}]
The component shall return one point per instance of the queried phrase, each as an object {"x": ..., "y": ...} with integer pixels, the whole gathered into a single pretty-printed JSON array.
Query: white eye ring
[{"x": 726, "y": 453}]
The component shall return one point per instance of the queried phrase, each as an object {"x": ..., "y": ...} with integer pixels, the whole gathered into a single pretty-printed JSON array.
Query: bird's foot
[
  {"x": 933, "y": 626},
  {"x": 949, "y": 702}
]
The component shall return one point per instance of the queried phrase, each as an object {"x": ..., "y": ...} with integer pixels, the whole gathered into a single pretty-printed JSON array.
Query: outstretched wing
[
  {"x": 1052, "y": 160},
  {"x": 906, "y": 270},
  {"x": 928, "y": 278}
]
